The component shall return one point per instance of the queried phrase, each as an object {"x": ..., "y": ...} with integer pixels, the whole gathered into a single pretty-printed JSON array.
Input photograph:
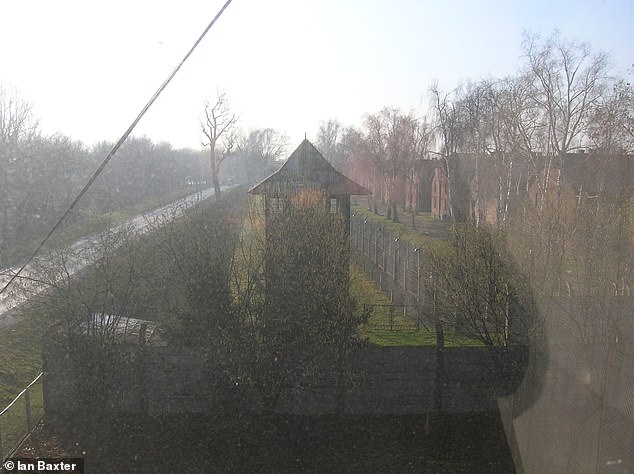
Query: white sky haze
[{"x": 88, "y": 67}]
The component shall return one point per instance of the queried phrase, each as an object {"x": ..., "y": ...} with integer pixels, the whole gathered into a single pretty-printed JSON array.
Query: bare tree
[
  {"x": 259, "y": 150},
  {"x": 16, "y": 117},
  {"x": 328, "y": 141},
  {"x": 447, "y": 126},
  {"x": 476, "y": 111},
  {"x": 611, "y": 126},
  {"x": 356, "y": 161},
  {"x": 390, "y": 141},
  {"x": 422, "y": 138},
  {"x": 17, "y": 124},
  {"x": 476, "y": 290},
  {"x": 498, "y": 129},
  {"x": 567, "y": 78},
  {"x": 88, "y": 288},
  {"x": 218, "y": 124},
  {"x": 518, "y": 134}
]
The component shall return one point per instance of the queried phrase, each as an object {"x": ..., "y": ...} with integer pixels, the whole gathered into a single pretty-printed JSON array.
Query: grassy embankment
[{"x": 88, "y": 225}]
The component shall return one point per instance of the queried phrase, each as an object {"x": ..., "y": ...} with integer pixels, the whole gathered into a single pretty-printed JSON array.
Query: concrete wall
[
  {"x": 126, "y": 378},
  {"x": 379, "y": 381}
]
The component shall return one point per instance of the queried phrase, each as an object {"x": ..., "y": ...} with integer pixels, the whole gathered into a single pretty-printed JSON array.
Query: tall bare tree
[
  {"x": 16, "y": 117},
  {"x": 390, "y": 141},
  {"x": 328, "y": 141},
  {"x": 259, "y": 150},
  {"x": 422, "y": 138},
  {"x": 17, "y": 124},
  {"x": 475, "y": 108},
  {"x": 218, "y": 124},
  {"x": 520, "y": 127},
  {"x": 447, "y": 127},
  {"x": 567, "y": 78}
]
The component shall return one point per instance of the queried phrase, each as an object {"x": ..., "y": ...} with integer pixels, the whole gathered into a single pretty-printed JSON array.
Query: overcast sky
[{"x": 89, "y": 66}]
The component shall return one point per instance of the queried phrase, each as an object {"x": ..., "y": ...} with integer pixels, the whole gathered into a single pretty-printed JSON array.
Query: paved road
[{"x": 26, "y": 285}]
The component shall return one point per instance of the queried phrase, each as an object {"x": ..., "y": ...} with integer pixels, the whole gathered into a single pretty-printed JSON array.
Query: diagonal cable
[{"x": 114, "y": 149}]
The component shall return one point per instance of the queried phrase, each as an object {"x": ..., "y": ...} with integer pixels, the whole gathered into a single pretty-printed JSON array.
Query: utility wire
[{"x": 114, "y": 149}]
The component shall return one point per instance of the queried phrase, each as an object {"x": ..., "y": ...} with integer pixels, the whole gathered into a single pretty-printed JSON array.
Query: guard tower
[{"x": 307, "y": 170}]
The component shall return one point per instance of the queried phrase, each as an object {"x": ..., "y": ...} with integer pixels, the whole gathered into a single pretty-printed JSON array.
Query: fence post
[
  {"x": 405, "y": 266},
  {"x": 29, "y": 421},
  {"x": 27, "y": 409},
  {"x": 391, "y": 317},
  {"x": 384, "y": 250},
  {"x": 362, "y": 233},
  {"x": 418, "y": 251},
  {"x": 376, "y": 246},
  {"x": 1, "y": 450},
  {"x": 417, "y": 317},
  {"x": 396, "y": 245}
]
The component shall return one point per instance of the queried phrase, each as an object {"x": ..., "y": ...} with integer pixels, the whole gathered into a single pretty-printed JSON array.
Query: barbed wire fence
[{"x": 395, "y": 264}]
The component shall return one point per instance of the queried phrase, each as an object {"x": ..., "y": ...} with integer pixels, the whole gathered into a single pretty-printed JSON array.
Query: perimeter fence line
[
  {"x": 394, "y": 263},
  {"x": 20, "y": 417}
]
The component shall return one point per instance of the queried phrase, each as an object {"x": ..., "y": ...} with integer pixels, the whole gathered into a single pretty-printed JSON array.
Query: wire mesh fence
[
  {"x": 394, "y": 263},
  {"x": 398, "y": 268},
  {"x": 395, "y": 317},
  {"x": 20, "y": 416}
]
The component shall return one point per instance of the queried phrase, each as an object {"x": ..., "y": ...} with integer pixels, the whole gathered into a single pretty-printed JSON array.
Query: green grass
[
  {"x": 365, "y": 291},
  {"x": 430, "y": 233},
  {"x": 13, "y": 423},
  {"x": 414, "y": 337},
  {"x": 427, "y": 227},
  {"x": 20, "y": 355},
  {"x": 401, "y": 337},
  {"x": 20, "y": 362}
]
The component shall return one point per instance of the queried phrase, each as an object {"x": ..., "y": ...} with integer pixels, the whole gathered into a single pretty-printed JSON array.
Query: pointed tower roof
[{"x": 306, "y": 168}]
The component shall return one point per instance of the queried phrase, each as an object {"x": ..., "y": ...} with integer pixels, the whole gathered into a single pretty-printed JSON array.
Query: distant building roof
[{"x": 306, "y": 168}]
